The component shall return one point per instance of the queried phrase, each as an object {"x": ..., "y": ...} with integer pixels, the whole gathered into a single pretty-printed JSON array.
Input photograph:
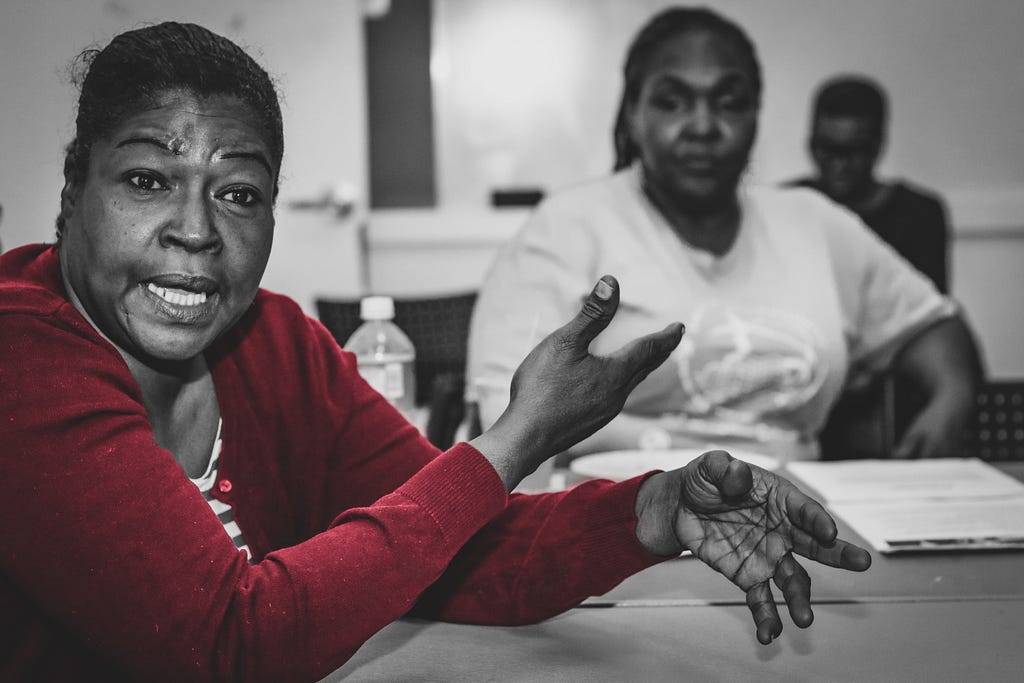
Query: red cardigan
[{"x": 112, "y": 564}]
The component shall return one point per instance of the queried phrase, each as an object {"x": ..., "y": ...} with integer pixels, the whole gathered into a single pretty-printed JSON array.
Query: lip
[
  {"x": 698, "y": 163},
  {"x": 185, "y": 310},
  {"x": 197, "y": 284}
]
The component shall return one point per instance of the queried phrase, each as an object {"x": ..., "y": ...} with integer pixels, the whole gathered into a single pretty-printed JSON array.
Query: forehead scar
[
  {"x": 177, "y": 145},
  {"x": 179, "y": 142}
]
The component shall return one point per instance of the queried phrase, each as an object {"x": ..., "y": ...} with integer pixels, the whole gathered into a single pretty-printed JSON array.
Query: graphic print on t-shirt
[{"x": 742, "y": 365}]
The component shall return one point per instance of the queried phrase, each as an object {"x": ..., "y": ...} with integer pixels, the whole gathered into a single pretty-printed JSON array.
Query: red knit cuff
[
  {"x": 610, "y": 543},
  {"x": 460, "y": 490}
]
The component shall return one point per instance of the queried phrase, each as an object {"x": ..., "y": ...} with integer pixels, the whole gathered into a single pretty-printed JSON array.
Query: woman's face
[
  {"x": 695, "y": 119},
  {"x": 167, "y": 238}
]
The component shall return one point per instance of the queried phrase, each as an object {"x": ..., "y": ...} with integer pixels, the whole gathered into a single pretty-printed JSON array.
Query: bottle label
[{"x": 386, "y": 378}]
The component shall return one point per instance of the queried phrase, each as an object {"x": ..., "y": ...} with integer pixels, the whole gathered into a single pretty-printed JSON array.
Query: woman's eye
[
  {"x": 242, "y": 196},
  {"x": 733, "y": 101},
  {"x": 147, "y": 182},
  {"x": 669, "y": 101}
]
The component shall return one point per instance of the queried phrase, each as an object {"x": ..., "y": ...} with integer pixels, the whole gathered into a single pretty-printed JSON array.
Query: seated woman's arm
[
  {"x": 943, "y": 361},
  {"x": 896, "y": 319}
]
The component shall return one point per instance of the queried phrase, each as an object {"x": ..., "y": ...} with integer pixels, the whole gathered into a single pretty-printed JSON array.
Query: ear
[
  {"x": 68, "y": 196},
  {"x": 629, "y": 119}
]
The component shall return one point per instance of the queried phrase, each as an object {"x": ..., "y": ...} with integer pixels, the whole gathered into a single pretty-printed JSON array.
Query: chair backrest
[
  {"x": 997, "y": 430},
  {"x": 869, "y": 424},
  {"x": 437, "y": 326}
]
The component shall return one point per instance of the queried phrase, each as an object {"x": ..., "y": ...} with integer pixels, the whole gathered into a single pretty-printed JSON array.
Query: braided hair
[
  {"x": 659, "y": 29},
  {"x": 138, "y": 66}
]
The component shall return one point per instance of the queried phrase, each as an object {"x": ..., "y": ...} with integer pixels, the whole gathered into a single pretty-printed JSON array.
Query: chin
[
  {"x": 172, "y": 350},
  {"x": 707, "y": 198}
]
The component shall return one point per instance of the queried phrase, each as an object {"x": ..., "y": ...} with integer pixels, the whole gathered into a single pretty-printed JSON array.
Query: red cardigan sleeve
[{"x": 541, "y": 556}]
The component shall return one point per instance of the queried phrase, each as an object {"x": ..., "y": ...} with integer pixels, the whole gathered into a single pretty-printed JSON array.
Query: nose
[
  {"x": 193, "y": 225},
  {"x": 702, "y": 121}
]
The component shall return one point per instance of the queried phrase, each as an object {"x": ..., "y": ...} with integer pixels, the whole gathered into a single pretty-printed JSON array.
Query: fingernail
[{"x": 603, "y": 290}]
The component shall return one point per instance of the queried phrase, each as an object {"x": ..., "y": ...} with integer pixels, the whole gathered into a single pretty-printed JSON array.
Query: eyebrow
[
  {"x": 145, "y": 141},
  {"x": 728, "y": 79},
  {"x": 258, "y": 157}
]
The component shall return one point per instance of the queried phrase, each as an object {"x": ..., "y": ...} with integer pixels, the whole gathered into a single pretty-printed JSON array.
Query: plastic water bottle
[{"x": 384, "y": 354}]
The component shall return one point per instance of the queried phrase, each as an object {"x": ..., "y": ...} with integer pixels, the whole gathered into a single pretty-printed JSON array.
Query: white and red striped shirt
[{"x": 223, "y": 511}]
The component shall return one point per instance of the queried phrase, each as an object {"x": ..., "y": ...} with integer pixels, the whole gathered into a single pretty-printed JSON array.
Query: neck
[
  {"x": 161, "y": 382},
  {"x": 711, "y": 226}
]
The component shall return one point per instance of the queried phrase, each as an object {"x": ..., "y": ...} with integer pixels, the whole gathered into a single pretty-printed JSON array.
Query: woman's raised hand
[{"x": 561, "y": 393}]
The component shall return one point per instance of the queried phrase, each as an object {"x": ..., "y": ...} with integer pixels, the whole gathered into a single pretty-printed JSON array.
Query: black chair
[
  {"x": 439, "y": 329},
  {"x": 997, "y": 430},
  {"x": 869, "y": 423}
]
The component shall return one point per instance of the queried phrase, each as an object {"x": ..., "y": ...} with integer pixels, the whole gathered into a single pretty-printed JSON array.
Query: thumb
[
  {"x": 731, "y": 477},
  {"x": 598, "y": 310}
]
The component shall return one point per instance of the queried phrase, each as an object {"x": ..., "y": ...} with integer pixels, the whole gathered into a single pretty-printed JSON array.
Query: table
[
  {"x": 925, "y": 617},
  {"x": 930, "y": 641}
]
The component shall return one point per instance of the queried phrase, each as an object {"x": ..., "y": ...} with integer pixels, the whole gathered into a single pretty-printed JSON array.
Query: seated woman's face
[
  {"x": 168, "y": 236},
  {"x": 695, "y": 119}
]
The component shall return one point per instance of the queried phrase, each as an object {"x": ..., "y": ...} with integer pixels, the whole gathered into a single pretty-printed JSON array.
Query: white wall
[
  {"x": 527, "y": 91},
  {"x": 313, "y": 49}
]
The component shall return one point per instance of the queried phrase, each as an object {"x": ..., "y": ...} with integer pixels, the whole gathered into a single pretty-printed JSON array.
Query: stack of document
[{"x": 921, "y": 505}]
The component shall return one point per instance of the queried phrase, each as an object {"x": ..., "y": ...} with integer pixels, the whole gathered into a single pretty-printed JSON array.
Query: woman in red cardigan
[{"x": 195, "y": 483}]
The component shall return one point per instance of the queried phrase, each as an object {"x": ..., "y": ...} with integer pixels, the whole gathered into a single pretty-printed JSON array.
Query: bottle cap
[{"x": 377, "y": 308}]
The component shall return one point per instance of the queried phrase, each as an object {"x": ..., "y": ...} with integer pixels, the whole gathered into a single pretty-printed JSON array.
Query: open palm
[{"x": 747, "y": 523}]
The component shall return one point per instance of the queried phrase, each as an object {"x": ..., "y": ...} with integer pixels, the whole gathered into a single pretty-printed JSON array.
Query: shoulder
[
  {"x": 803, "y": 181},
  {"x": 276, "y": 323},
  {"x": 276, "y": 338},
  {"x": 798, "y": 205},
  {"x": 36, "y": 318},
  {"x": 30, "y": 281},
  {"x": 596, "y": 209},
  {"x": 592, "y": 197},
  {"x": 912, "y": 194},
  {"x": 808, "y": 215}
]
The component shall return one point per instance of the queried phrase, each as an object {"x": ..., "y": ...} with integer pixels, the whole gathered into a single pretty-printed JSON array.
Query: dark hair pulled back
[
  {"x": 852, "y": 95},
  {"x": 138, "y": 66},
  {"x": 659, "y": 29}
]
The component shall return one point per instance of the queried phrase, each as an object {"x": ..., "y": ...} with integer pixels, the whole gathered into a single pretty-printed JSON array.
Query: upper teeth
[{"x": 178, "y": 297}]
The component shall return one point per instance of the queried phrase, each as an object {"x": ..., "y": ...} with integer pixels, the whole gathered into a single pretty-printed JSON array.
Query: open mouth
[
  {"x": 178, "y": 297},
  {"x": 182, "y": 292}
]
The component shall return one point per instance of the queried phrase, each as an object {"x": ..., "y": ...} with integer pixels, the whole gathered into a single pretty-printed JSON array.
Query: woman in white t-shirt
[{"x": 785, "y": 295}]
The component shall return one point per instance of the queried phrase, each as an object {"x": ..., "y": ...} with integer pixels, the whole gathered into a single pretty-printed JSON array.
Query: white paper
[
  {"x": 903, "y": 480},
  {"x": 921, "y": 505},
  {"x": 937, "y": 525}
]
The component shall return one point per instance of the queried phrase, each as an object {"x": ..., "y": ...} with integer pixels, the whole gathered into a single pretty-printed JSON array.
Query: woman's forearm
[{"x": 943, "y": 361}]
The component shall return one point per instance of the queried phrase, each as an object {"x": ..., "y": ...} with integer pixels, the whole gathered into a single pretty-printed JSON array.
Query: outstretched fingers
[
  {"x": 795, "y": 585},
  {"x": 639, "y": 357},
  {"x": 765, "y": 613},
  {"x": 814, "y": 535},
  {"x": 840, "y": 554},
  {"x": 807, "y": 514}
]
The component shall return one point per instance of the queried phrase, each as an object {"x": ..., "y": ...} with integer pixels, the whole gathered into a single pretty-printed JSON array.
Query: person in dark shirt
[{"x": 848, "y": 129}]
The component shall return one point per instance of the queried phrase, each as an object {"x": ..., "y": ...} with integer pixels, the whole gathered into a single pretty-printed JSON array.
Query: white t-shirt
[{"x": 772, "y": 327}]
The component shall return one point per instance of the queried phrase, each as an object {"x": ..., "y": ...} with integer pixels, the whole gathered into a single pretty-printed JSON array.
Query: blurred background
[{"x": 419, "y": 132}]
